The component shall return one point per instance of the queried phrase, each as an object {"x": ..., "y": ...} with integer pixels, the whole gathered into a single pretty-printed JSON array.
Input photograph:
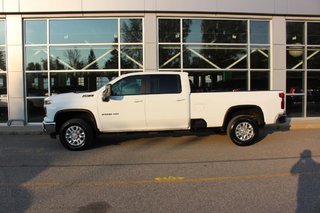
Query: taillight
[{"x": 282, "y": 96}]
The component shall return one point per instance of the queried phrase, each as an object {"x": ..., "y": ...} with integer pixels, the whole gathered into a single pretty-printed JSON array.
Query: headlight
[{"x": 47, "y": 101}]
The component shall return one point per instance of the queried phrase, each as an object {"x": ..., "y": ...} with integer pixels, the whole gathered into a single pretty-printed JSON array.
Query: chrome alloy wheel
[
  {"x": 75, "y": 136},
  {"x": 244, "y": 131}
]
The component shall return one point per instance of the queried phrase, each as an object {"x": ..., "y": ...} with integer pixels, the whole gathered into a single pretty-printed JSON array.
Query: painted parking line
[{"x": 157, "y": 180}]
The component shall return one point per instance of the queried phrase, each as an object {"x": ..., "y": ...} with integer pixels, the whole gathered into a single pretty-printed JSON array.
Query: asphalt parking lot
[{"x": 162, "y": 172}]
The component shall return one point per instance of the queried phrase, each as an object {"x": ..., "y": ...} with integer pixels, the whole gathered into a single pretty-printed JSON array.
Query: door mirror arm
[{"x": 106, "y": 93}]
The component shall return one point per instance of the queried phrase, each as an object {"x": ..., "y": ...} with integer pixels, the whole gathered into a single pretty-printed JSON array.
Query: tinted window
[
  {"x": 314, "y": 33},
  {"x": 214, "y": 31},
  {"x": 169, "y": 30},
  {"x": 83, "y": 31},
  {"x": 165, "y": 84},
  {"x": 36, "y": 32},
  {"x": 132, "y": 85},
  {"x": 259, "y": 32}
]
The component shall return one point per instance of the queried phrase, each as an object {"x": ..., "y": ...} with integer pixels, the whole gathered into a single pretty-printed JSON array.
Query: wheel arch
[
  {"x": 62, "y": 116},
  {"x": 250, "y": 110}
]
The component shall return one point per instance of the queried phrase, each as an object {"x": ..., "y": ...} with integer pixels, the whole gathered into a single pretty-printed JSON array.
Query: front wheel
[
  {"x": 243, "y": 130},
  {"x": 76, "y": 134}
]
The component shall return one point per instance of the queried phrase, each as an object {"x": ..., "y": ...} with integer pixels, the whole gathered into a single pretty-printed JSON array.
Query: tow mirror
[{"x": 106, "y": 93}]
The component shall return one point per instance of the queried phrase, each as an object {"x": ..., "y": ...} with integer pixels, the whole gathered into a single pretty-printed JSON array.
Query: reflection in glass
[
  {"x": 36, "y": 58},
  {"x": 218, "y": 81},
  {"x": 37, "y": 84},
  {"x": 313, "y": 33},
  {"x": 131, "y": 30},
  {"x": 3, "y": 76},
  {"x": 169, "y": 56},
  {"x": 259, "y": 58},
  {"x": 35, "y": 110},
  {"x": 259, "y": 32},
  {"x": 295, "y": 33},
  {"x": 3, "y": 66},
  {"x": 79, "y": 81},
  {"x": 169, "y": 30},
  {"x": 83, "y": 31},
  {"x": 259, "y": 80},
  {"x": 214, "y": 31},
  {"x": 35, "y": 31},
  {"x": 313, "y": 94},
  {"x": 2, "y": 32},
  {"x": 3, "y": 84},
  {"x": 295, "y": 57},
  {"x": 216, "y": 57},
  {"x": 131, "y": 57},
  {"x": 294, "y": 105},
  {"x": 83, "y": 57},
  {"x": 3, "y": 98},
  {"x": 3, "y": 110},
  {"x": 313, "y": 58},
  {"x": 295, "y": 82}
]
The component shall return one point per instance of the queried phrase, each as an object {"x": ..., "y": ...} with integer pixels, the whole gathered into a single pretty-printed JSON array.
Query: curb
[
  {"x": 304, "y": 124},
  {"x": 22, "y": 130}
]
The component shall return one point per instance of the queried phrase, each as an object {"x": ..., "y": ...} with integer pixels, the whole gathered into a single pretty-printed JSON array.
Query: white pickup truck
[{"x": 158, "y": 101}]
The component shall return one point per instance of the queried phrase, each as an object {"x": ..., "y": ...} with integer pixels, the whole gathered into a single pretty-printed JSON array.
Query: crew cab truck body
[{"x": 157, "y": 101}]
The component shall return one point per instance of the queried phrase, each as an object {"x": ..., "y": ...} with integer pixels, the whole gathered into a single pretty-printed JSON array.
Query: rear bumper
[
  {"x": 282, "y": 119},
  {"x": 49, "y": 128}
]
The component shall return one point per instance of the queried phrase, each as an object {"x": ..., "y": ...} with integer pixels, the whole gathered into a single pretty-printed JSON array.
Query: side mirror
[{"x": 106, "y": 93}]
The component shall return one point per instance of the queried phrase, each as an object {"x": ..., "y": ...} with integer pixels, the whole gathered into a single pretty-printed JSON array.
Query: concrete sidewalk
[{"x": 36, "y": 129}]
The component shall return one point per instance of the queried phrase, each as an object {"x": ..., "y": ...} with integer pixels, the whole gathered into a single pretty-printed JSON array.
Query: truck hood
[{"x": 71, "y": 99}]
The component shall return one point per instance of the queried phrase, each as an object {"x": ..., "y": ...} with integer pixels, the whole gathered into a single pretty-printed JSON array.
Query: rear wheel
[
  {"x": 76, "y": 134},
  {"x": 243, "y": 130}
]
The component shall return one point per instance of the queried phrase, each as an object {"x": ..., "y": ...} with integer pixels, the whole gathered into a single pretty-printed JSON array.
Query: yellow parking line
[{"x": 157, "y": 180}]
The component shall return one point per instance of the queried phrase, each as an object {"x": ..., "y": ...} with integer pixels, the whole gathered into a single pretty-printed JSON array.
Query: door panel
[
  {"x": 167, "y": 107},
  {"x": 125, "y": 111},
  {"x": 165, "y": 112}
]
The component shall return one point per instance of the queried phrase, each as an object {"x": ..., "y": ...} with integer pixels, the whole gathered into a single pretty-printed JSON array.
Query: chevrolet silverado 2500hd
[{"x": 157, "y": 101}]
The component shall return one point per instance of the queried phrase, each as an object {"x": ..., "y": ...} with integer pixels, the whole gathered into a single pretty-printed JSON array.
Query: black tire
[
  {"x": 76, "y": 134},
  {"x": 243, "y": 130}
]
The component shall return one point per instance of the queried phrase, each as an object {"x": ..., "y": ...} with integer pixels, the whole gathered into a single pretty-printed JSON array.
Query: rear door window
[{"x": 165, "y": 84}]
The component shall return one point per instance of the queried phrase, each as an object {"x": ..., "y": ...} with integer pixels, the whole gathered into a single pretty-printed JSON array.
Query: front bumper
[{"x": 49, "y": 128}]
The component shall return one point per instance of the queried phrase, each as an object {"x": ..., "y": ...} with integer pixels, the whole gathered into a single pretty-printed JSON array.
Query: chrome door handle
[{"x": 181, "y": 99}]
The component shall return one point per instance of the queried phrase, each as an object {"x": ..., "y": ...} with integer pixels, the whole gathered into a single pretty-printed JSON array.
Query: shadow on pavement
[{"x": 308, "y": 193}]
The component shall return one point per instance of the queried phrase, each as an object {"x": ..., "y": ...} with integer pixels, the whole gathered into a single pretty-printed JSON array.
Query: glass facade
[
  {"x": 219, "y": 55},
  {"x": 303, "y": 69},
  {"x": 3, "y": 75},
  {"x": 73, "y": 55}
]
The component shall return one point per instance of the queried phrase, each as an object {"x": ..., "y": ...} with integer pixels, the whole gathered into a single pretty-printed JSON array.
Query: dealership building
[{"x": 49, "y": 47}]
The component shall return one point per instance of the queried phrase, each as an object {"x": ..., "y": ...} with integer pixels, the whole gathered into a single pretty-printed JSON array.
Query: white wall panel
[
  {"x": 1, "y": 6},
  {"x": 187, "y": 5},
  {"x": 50, "y": 5},
  {"x": 304, "y": 7},
  {"x": 244, "y": 6},
  {"x": 15, "y": 85},
  {"x": 278, "y": 34},
  {"x": 16, "y": 110},
  {"x": 282, "y": 7},
  {"x": 15, "y": 67},
  {"x": 111, "y": 5},
  {"x": 150, "y": 39},
  {"x": 11, "y": 5},
  {"x": 150, "y": 5}
]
